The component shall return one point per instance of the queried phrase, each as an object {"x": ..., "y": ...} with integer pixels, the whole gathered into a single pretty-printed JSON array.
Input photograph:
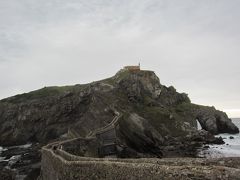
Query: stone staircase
[{"x": 106, "y": 137}]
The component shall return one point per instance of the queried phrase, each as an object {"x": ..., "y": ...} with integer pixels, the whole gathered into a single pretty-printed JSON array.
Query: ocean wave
[{"x": 231, "y": 148}]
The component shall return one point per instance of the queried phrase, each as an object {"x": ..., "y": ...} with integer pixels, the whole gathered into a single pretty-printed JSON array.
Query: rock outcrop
[
  {"x": 154, "y": 111},
  {"x": 215, "y": 121},
  {"x": 155, "y": 121}
]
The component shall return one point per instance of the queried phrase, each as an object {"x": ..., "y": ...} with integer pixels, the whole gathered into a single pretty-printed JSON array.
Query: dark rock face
[
  {"x": 40, "y": 119},
  {"x": 138, "y": 133},
  {"x": 157, "y": 121},
  {"x": 137, "y": 85},
  {"x": 49, "y": 113},
  {"x": 215, "y": 121},
  {"x": 6, "y": 174},
  {"x": 21, "y": 162},
  {"x": 170, "y": 97}
]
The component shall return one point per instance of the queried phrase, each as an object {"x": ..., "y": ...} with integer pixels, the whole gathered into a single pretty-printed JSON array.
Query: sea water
[
  {"x": 231, "y": 148},
  {"x": 25, "y": 146}
]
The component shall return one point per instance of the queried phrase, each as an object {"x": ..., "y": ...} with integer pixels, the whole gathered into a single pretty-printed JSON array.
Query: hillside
[
  {"x": 130, "y": 115},
  {"x": 51, "y": 112}
]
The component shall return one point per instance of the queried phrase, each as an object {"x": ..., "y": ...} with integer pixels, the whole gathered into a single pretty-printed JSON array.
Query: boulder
[{"x": 215, "y": 121}]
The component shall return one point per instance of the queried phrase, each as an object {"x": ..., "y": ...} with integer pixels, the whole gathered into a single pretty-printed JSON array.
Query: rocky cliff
[
  {"x": 152, "y": 112},
  {"x": 153, "y": 121}
]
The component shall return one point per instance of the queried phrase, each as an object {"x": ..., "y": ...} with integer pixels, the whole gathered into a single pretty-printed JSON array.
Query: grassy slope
[
  {"x": 158, "y": 117},
  {"x": 42, "y": 93}
]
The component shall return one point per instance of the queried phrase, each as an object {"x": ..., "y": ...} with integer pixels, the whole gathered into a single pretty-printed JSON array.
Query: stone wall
[
  {"x": 58, "y": 164},
  {"x": 85, "y": 147}
]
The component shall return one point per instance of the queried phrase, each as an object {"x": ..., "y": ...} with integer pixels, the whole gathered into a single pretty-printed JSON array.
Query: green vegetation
[
  {"x": 165, "y": 120},
  {"x": 184, "y": 107},
  {"x": 41, "y": 93},
  {"x": 122, "y": 74},
  {"x": 109, "y": 81}
]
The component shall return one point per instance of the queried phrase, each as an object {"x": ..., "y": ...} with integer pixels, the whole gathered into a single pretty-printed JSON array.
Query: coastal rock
[
  {"x": 54, "y": 112},
  {"x": 21, "y": 162},
  {"x": 170, "y": 97},
  {"x": 135, "y": 131},
  {"x": 7, "y": 174},
  {"x": 215, "y": 121},
  {"x": 137, "y": 85},
  {"x": 156, "y": 121}
]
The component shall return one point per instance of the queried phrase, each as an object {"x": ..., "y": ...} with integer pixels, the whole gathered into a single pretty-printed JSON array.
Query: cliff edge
[{"x": 154, "y": 112}]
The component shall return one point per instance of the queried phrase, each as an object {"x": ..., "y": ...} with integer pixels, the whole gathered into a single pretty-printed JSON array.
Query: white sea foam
[
  {"x": 2, "y": 149},
  {"x": 25, "y": 146},
  {"x": 199, "y": 127},
  {"x": 231, "y": 148}
]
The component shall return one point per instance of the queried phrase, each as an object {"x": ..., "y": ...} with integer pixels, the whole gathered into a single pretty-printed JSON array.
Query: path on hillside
[
  {"x": 107, "y": 127},
  {"x": 74, "y": 134},
  {"x": 106, "y": 136}
]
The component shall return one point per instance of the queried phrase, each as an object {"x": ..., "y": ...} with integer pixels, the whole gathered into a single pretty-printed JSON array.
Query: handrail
[
  {"x": 101, "y": 130},
  {"x": 108, "y": 126},
  {"x": 114, "y": 121},
  {"x": 73, "y": 133}
]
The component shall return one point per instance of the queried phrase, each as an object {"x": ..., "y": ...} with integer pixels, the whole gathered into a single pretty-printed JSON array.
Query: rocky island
[{"x": 128, "y": 126}]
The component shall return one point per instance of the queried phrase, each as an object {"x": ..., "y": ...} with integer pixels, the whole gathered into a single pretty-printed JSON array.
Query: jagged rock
[
  {"x": 138, "y": 133},
  {"x": 170, "y": 97},
  {"x": 156, "y": 120},
  {"x": 52, "y": 112},
  {"x": 215, "y": 121},
  {"x": 137, "y": 85}
]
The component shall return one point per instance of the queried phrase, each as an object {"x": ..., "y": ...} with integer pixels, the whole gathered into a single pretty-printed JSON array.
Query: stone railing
[
  {"x": 110, "y": 125},
  {"x": 72, "y": 133},
  {"x": 107, "y": 127}
]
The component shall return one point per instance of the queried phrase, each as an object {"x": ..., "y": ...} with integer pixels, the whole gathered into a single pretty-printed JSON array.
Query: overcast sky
[{"x": 190, "y": 44}]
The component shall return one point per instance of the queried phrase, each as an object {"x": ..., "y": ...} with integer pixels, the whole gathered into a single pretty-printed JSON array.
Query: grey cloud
[{"x": 193, "y": 45}]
